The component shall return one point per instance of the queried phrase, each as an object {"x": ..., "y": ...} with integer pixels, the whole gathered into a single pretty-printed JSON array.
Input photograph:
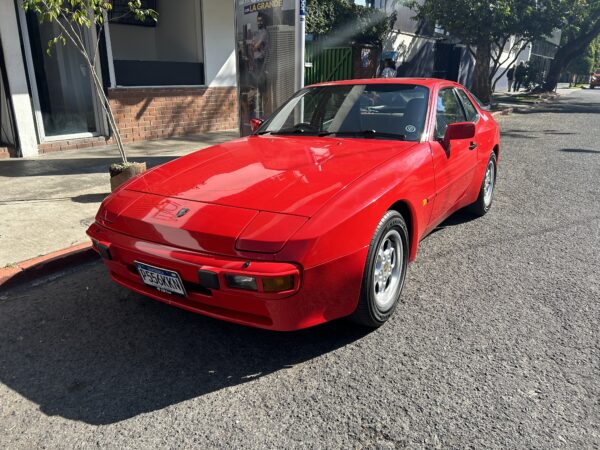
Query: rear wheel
[
  {"x": 385, "y": 271},
  {"x": 486, "y": 193}
]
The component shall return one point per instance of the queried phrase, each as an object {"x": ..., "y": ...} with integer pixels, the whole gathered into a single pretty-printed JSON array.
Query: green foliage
[
  {"x": 580, "y": 27},
  {"x": 355, "y": 23},
  {"x": 595, "y": 52},
  {"x": 475, "y": 21},
  {"x": 578, "y": 17},
  {"x": 582, "y": 65}
]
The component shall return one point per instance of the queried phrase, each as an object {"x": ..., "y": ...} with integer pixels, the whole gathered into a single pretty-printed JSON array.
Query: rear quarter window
[{"x": 470, "y": 110}]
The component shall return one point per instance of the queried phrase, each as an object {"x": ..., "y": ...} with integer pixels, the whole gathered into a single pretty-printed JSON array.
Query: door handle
[{"x": 473, "y": 146}]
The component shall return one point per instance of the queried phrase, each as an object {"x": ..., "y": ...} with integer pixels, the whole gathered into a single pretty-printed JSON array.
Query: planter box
[{"x": 117, "y": 178}]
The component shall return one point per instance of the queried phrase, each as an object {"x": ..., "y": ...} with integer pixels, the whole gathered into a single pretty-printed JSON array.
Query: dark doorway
[{"x": 447, "y": 61}]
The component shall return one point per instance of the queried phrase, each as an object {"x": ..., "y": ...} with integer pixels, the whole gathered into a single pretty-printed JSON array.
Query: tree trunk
[
  {"x": 566, "y": 54},
  {"x": 481, "y": 78},
  {"x": 556, "y": 67}
]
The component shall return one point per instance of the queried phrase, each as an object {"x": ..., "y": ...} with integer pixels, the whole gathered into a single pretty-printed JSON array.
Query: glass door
[{"x": 64, "y": 97}]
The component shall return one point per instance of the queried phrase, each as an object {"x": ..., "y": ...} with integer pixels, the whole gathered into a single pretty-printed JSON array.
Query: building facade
[{"x": 176, "y": 76}]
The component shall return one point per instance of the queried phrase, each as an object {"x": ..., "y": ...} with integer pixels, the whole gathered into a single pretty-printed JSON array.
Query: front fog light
[
  {"x": 241, "y": 282},
  {"x": 278, "y": 284}
]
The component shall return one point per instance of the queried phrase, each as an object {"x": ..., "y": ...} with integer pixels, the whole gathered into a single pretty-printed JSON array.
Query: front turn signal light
[
  {"x": 278, "y": 284},
  {"x": 241, "y": 282}
]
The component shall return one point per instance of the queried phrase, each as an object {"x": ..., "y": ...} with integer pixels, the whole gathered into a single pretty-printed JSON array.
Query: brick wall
[
  {"x": 155, "y": 113},
  {"x": 72, "y": 144}
]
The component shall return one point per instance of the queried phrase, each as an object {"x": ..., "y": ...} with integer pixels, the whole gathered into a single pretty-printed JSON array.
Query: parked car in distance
[
  {"x": 313, "y": 217},
  {"x": 595, "y": 79}
]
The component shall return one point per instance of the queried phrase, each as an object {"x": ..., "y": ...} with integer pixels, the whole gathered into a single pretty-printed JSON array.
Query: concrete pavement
[
  {"x": 495, "y": 344},
  {"x": 47, "y": 202}
]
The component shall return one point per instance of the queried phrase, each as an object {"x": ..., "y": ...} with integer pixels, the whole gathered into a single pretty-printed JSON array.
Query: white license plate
[{"x": 162, "y": 279}]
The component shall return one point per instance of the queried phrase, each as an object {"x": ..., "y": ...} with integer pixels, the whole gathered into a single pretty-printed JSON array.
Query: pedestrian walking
[
  {"x": 390, "y": 69},
  {"x": 510, "y": 75},
  {"x": 520, "y": 74}
]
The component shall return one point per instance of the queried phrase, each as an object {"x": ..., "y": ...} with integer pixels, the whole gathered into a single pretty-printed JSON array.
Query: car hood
[{"x": 280, "y": 174}]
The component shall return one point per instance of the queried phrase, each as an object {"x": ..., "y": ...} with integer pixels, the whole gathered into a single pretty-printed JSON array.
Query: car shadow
[
  {"x": 460, "y": 217},
  {"x": 85, "y": 349}
]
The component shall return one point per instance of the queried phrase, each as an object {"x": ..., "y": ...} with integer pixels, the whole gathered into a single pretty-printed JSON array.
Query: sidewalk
[
  {"x": 47, "y": 202},
  {"x": 524, "y": 101}
]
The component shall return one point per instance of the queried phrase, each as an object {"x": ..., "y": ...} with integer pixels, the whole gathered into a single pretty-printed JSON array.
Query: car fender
[{"x": 346, "y": 224}]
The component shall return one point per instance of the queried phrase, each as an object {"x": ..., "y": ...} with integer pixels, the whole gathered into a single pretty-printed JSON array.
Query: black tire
[
  {"x": 368, "y": 313},
  {"x": 480, "y": 207}
]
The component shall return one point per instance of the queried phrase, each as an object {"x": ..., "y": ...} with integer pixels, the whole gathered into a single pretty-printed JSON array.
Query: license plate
[{"x": 162, "y": 279}]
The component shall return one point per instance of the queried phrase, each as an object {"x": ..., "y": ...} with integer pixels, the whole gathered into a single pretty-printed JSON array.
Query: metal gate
[{"x": 327, "y": 64}]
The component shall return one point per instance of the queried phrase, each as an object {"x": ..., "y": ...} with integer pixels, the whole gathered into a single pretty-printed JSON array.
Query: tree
[
  {"x": 344, "y": 22},
  {"x": 595, "y": 53},
  {"x": 581, "y": 65},
  {"x": 73, "y": 17},
  {"x": 487, "y": 27},
  {"x": 581, "y": 25}
]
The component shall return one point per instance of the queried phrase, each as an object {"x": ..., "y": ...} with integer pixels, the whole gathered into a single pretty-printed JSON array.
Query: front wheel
[
  {"x": 486, "y": 193},
  {"x": 385, "y": 271}
]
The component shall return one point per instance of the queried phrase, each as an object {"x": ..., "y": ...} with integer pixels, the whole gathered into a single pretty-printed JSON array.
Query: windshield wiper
[{"x": 364, "y": 133}]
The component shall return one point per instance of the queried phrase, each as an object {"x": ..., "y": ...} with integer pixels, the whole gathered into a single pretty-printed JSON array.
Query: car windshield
[{"x": 378, "y": 111}]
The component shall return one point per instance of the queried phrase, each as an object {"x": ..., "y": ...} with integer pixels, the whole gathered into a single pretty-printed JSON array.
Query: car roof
[{"x": 427, "y": 82}]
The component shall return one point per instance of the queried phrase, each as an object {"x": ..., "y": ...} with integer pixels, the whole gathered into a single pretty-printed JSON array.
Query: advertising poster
[{"x": 265, "y": 45}]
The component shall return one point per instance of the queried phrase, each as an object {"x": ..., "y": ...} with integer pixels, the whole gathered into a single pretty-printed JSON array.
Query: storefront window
[
  {"x": 164, "y": 53},
  {"x": 64, "y": 87}
]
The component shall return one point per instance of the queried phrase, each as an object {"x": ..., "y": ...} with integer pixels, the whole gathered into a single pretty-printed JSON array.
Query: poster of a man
[
  {"x": 260, "y": 49},
  {"x": 265, "y": 55}
]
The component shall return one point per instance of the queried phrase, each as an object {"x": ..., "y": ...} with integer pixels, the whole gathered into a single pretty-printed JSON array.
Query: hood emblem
[{"x": 182, "y": 212}]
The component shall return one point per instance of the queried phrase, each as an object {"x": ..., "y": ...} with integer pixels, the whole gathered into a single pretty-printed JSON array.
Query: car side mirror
[
  {"x": 255, "y": 124},
  {"x": 458, "y": 130}
]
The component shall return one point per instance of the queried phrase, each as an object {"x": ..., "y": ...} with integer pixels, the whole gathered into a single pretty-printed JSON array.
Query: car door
[{"x": 455, "y": 164}]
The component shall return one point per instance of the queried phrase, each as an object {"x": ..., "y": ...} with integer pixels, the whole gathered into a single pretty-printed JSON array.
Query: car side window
[
  {"x": 470, "y": 110},
  {"x": 449, "y": 110}
]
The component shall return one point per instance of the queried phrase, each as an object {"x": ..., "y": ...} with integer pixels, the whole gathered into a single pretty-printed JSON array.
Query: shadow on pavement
[
  {"x": 85, "y": 349},
  {"x": 53, "y": 167},
  {"x": 562, "y": 107},
  {"x": 580, "y": 150},
  {"x": 515, "y": 134},
  {"x": 90, "y": 198}
]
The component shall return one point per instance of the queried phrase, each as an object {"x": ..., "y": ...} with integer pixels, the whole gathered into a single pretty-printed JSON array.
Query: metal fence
[{"x": 327, "y": 64}]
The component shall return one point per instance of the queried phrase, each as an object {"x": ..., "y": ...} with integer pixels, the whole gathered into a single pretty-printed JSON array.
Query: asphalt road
[{"x": 496, "y": 344}]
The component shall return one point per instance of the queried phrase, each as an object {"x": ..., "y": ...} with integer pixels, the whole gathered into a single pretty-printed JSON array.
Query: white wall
[
  {"x": 17, "y": 79},
  {"x": 219, "y": 43}
]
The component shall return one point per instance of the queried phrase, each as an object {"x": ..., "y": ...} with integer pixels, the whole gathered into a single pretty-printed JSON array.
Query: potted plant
[{"x": 72, "y": 18}]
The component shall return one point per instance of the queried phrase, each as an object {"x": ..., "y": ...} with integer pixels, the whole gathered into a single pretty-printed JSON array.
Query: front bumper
[{"x": 320, "y": 294}]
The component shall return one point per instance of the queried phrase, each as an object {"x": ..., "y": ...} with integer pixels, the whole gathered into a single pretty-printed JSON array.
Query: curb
[{"x": 45, "y": 265}]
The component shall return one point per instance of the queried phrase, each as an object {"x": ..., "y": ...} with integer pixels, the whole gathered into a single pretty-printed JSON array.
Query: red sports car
[
  {"x": 314, "y": 216},
  {"x": 595, "y": 79}
]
